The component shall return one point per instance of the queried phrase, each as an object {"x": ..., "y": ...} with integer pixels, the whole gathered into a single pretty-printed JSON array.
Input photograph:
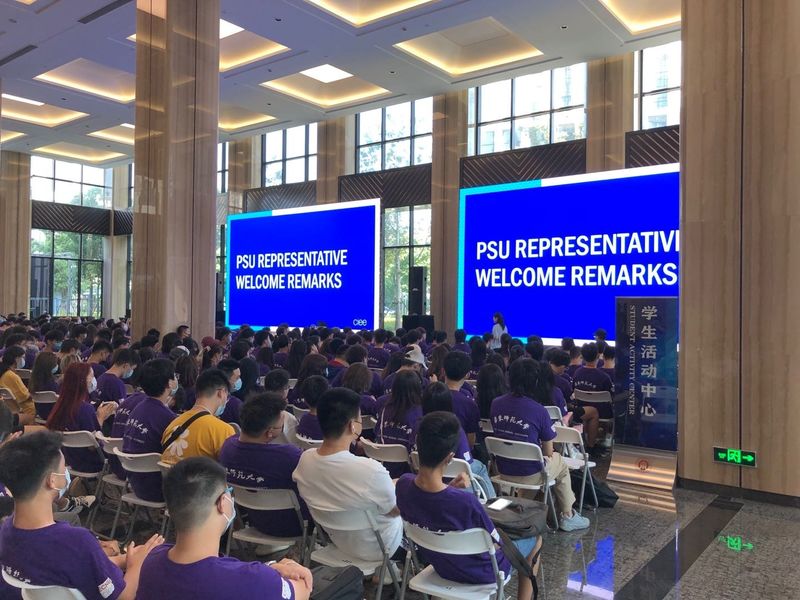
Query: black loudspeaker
[
  {"x": 414, "y": 321},
  {"x": 416, "y": 291},
  {"x": 220, "y": 292}
]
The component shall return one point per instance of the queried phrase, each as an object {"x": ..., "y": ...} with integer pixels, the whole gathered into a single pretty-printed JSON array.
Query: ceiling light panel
[
  {"x": 326, "y": 73},
  {"x": 471, "y": 47},
  {"x": 78, "y": 152},
  {"x": 122, "y": 134},
  {"x": 44, "y": 114},
  {"x": 23, "y": 100},
  {"x": 638, "y": 16},
  {"x": 364, "y": 12},
  {"x": 93, "y": 78},
  {"x": 227, "y": 29},
  {"x": 7, "y": 136},
  {"x": 326, "y": 95},
  {"x": 234, "y": 118}
]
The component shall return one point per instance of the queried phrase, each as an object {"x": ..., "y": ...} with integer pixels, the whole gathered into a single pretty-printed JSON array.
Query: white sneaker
[{"x": 573, "y": 523}]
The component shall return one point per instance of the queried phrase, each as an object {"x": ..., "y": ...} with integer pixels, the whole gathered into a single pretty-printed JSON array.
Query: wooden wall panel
[
  {"x": 771, "y": 245},
  {"x": 710, "y": 237},
  {"x": 15, "y": 231},
  {"x": 609, "y": 111}
]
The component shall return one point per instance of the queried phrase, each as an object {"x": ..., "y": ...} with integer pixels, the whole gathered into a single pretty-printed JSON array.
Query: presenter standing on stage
[{"x": 498, "y": 330}]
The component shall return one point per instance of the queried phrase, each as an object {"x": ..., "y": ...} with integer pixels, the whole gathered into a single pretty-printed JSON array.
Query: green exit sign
[{"x": 734, "y": 456}]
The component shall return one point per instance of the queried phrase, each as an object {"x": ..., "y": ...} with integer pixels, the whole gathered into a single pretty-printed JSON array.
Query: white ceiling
[{"x": 565, "y": 31}]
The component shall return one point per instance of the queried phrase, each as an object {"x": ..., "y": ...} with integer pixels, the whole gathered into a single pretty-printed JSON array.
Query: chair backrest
[
  {"x": 513, "y": 449},
  {"x": 43, "y": 592},
  {"x": 139, "y": 463},
  {"x": 129, "y": 389},
  {"x": 451, "y": 471},
  {"x": 306, "y": 443},
  {"x": 593, "y": 397},
  {"x": 45, "y": 397},
  {"x": 163, "y": 467},
  {"x": 6, "y": 394},
  {"x": 292, "y": 383},
  {"x": 24, "y": 374},
  {"x": 461, "y": 543},
  {"x": 79, "y": 439},
  {"x": 236, "y": 428},
  {"x": 486, "y": 426},
  {"x": 108, "y": 443},
  {"x": 298, "y": 412},
  {"x": 554, "y": 412},
  {"x": 473, "y": 382},
  {"x": 368, "y": 422},
  {"x": 265, "y": 499},
  {"x": 568, "y": 435},
  {"x": 344, "y": 520},
  {"x": 391, "y": 453}
]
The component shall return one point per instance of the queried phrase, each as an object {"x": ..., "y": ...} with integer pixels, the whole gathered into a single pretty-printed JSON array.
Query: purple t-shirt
[
  {"x": 390, "y": 430},
  {"x": 612, "y": 373},
  {"x": 570, "y": 371},
  {"x": 118, "y": 428},
  {"x": 467, "y": 411},
  {"x": 77, "y": 561},
  {"x": 451, "y": 509},
  {"x": 377, "y": 358},
  {"x": 232, "y": 410},
  {"x": 98, "y": 369},
  {"x": 308, "y": 427},
  {"x": 592, "y": 380},
  {"x": 368, "y": 404},
  {"x": 387, "y": 383},
  {"x": 84, "y": 459},
  {"x": 110, "y": 388},
  {"x": 279, "y": 359},
  {"x": 294, "y": 399},
  {"x": 143, "y": 433},
  {"x": 375, "y": 388},
  {"x": 524, "y": 420},
  {"x": 265, "y": 466},
  {"x": 565, "y": 385},
  {"x": 557, "y": 398},
  {"x": 209, "y": 579},
  {"x": 462, "y": 347}
]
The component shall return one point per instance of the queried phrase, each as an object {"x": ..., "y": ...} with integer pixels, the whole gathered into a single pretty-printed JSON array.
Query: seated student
[
  {"x": 478, "y": 354},
  {"x": 313, "y": 388},
  {"x": 437, "y": 397},
  {"x": 331, "y": 478},
  {"x": 591, "y": 379},
  {"x": 575, "y": 361},
  {"x": 199, "y": 431},
  {"x": 224, "y": 337},
  {"x": 110, "y": 385},
  {"x": 457, "y": 366},
  {"x": 43, "y": 379},
  {"x": 101, "y": 350},
  {"x": 280, "y": 349},
  {"x": 559, "y": 361},
  {"x": 520, "y": 416},
  {"x": 412, "y": 360},
  {"x": 74, "y": 412},
  {"x": 338, "y": 363},
  {"x": 426, "y": 501},
  {"x": 201, "y": 509},
  {"x": 14, "y": 358},
  {"x": 357, "y": 354},
  {"x": 35, "y": 548},
  {"x": 460, "y": 341},
  {"x": 358, "y": 378},
  {"x": 297, "y": 352},
  {"x": 398, "y": 414},
  {"x": 313, "y": 364},
  {"x": 491, "y": 384},
  {"x": 231, "y": 368},
  {"x": 186, "y": 370},
  {"x": 253, "y": 461},
  {"x": 53, "y": 340},
  {"x": 609, "y": 362},
  {"x": 277, "y": 381},
  {"x": 378, "y": 355},
  {"x": 211, "y": 355},
  {"x": 147, "y": 422}
]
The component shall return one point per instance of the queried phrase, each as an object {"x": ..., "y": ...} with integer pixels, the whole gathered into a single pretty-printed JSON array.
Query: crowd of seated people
[{"x": 220, "y": 412}]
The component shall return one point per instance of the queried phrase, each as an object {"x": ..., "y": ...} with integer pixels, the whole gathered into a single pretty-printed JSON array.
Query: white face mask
[
  {"x": 21, "y": 363},
  {"x": 92, "y": 385}
]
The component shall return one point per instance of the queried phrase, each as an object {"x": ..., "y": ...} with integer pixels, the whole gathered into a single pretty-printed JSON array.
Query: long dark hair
[
  {"x": 406, "y": 394},
  {"x": 264, "y": 356},
  {"x": 394, "y": 362},
  {"x": 500, "y": 320},
  {"x": 491, "y": 384},
  {"x": 479, "y": 353},
  {"x": 357, "y": 377},
  {"x": 42, "y": 373},
  {"x": 297, "y": 352},
  {"x": 528, "y": 379},
  {"x": 72, "y": 395},
  {"x": 10, "y": 356}
]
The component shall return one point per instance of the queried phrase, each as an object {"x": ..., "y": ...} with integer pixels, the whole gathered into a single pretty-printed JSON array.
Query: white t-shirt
[
  {"x": 286, "y": 436},
  {"x": 497, "y": 331},
  {"x": 343, "y": 481}
]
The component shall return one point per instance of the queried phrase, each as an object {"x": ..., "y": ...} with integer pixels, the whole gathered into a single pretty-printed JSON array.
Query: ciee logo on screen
[{"x": 359, "y": 322}]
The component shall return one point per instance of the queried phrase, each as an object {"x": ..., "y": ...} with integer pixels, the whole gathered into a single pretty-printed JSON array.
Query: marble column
[
  {"x": 335, "y": 156},
  {"x": 609, "y": 112},
  {"x": 15, "y": 232},
  {"x": 177, "y": 102}
]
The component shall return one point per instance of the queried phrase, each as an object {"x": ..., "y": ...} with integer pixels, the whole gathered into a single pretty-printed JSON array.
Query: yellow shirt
[
  {"x": 204, "y": 437},
  {"x": 22, "y": 397}
]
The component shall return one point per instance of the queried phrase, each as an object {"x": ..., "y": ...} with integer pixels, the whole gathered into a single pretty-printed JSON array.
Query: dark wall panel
[
  {"x": 123, "y": 222},
  {"x": 408, "y": 186},
  {"x": 650, "y": 147},
  {"x": 281, "y": 196},
  {"x": 553, "y": 160},
  {"x": 66, "y": 217}
]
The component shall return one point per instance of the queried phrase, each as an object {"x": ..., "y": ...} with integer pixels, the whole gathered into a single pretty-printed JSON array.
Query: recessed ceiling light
[
  {"x": 326, "y": 73},
  {"x": 20, "y": 99},
  {"x": 227, "y": 29},
  {"x": 128, "y": 126}
]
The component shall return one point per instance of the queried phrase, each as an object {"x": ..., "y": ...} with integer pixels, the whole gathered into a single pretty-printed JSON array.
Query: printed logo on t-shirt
[
  {"x": 106, "y": 588},
  {"x": 286, "y": 590}
]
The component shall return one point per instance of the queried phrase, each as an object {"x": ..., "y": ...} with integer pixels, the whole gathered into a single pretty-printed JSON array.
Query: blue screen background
[
  {"x": 342, "y": 228},
  {"x": 631, "y": 204}
]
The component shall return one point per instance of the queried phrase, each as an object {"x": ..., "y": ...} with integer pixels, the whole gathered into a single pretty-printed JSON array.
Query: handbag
[{"x": 337, "y": 583}]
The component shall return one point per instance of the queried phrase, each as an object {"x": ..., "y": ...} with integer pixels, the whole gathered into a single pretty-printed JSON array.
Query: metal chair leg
[
  {"x": 116, "y": 520},
  {"x": 382, "y": 570},
  {"x": 131, "y": 525},
  {"x": 583, "y": 488}
]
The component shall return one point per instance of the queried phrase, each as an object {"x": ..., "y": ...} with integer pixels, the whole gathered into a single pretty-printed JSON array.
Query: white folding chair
[
  {"x": 332, "y": 556},
  {"x": 486, "y": 426},
  {"x": 24, "y": 374},
  {"x": 457, "y": 543},
  {"x": 87, "y": 441},
  {"x": 368, "y": 422},
  {"x": 292, "y": 383},
  {"x": 8, "y": 398},
  {"x": 386, "y": 453},
  {"x": 269, "y": 500},
  {"x": 236, "y": 427},
  {"x": 110, "y": 478},
  {"x": 138, "y": 463},
  {"x": 597, "y": 399},
  {"x": 554, "y": 413},
  {"x": 305, "y": 443},
  {"x": 522, "y": 451},
  {"x": 567, "y": 435},
  {"x": 42, "y": 592},
  {"x": 454, "y": 468},
  {"x": 298, "y": 412},
  {"x": 42, "y": 400}
]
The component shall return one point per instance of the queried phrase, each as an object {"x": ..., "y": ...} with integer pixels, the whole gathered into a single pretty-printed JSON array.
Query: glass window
[
  {"x": 656, "y": 86},
  {"x": 531, "y": 110},
  {"x": 70, "y": 183},
  {"x": 395, "y": 136},
  {"x": 42, "y": 189},
  {"x": 92, "y": 246},
  {"x": 41, "y": 242},
  {"x": 91, "y": 286},
  {"x": 42, "y": 166},
  {"x": 65, "y": 287},
  {"x": 66, "y": 244},
  {"x": 222, "y": 167},
  {"x": 289, "y": 155},
  {"x": 68, "y": 171}
]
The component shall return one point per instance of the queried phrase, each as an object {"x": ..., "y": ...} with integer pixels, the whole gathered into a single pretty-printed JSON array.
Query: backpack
[
  {"x": 523, "y": 518},
  {"x": 337, "y": 583}
]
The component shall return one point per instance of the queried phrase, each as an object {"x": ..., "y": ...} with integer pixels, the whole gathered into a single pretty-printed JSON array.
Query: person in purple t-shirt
[
  {"x": 610, "y": 362},
  {"x": 202, "y": 509},
  {"x": 398, "y": 415},
  {"x": 457, "y": 366},
  {"x": 460, "y": 338},
  {"x": 414, "y": 360},
  {"x": 253, "y": 460},
  {"x": 147, "y": 422},
  {"x": 36, "y": 549},
  {"x": 231, "y": 368},
  {"x": 280, "y": 348},
  {"x": 357, "y": 377},
  {"x": 426, "y": 501},
  {"x": 313, "y": 388},
  {"x": 378, "y": 355},
  {"x": 591, "y": 379},
  {"x": 101, "y": 350},
  {"x": 110, "y": 385},
  {"x": 519, "y": 416}
]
